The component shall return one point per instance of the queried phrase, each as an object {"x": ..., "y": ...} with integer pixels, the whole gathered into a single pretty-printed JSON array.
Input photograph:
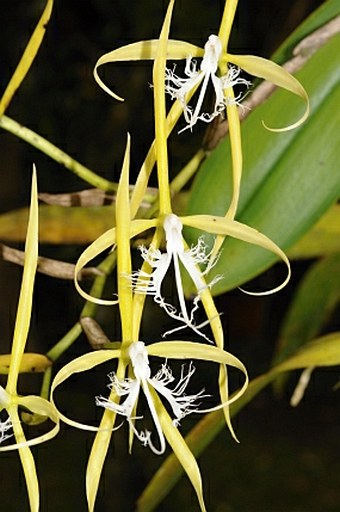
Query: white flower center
[
  {"x": 190, "y": 259},
  {"x": 212, "y": 54},
  {"x": 178, "y": 87},
  {"x": 140, "y": 361},
  {"x": 180, "y": 403}
]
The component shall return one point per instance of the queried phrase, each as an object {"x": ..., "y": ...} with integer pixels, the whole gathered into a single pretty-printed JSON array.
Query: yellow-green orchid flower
[
  {"x": 150, "y": 284},
  {"x": 215, "y": 55},
  {"x": 155, "y": 389},
  {"x": 133, "y": 373},
  {"x": 149, "y": 279},
  {"x": 10, "y": 400}
]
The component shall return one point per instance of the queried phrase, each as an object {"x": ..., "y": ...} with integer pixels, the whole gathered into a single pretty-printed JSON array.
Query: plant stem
[{"x": 56, "y": 154}]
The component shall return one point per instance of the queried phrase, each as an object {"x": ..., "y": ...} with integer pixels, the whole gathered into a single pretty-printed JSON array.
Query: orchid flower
[
  {"x": 10, "y": 400},
  {"x": 178, "y": 88},
  {"x": 181, "y": 404},
  {"x": 215, "y": 58},
  {"x": 156, "y": 389},
  {"x": 133, "y": 373},
  {"x": 150, "y": 284}
]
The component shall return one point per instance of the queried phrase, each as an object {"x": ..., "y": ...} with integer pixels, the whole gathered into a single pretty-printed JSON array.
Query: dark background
[{"x": 287, "y": 460}]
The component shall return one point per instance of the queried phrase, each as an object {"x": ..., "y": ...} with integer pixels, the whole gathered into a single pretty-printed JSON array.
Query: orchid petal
[
  {"x": 180, "y": 448},
  {"x": 189, "y": 350},
  {"x": 149, "y": 395},
  {"x": 27, "y": 461}
]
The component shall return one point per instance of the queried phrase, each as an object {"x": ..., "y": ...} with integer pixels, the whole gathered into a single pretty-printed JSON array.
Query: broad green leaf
[
  {"x": 312, "y": 305},
  {"x": 290, "y": 179},
  {"x": 322, "y": 239},
  {"x": 314, "y": 301},
  {"x": 325, "y": 13},
  {"x": 324, "y": 351}
]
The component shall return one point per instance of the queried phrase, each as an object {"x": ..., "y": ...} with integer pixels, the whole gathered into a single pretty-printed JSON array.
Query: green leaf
[
  {"x": 311, "y": 307},
  {"x": 313, "y": 303},
  {"x": 289, "y": 180},
  {"x": 322, "y": 239},
  {"x": 326, "y": 12}
]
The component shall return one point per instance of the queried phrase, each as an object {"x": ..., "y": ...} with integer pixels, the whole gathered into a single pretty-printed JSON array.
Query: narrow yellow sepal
[
  {"x": 102, "y": 243},
  {"x": 27, "y": 58},
  {"x": 180, "y": 448},
  {"x": 24, "y": 308},
  {"x": 143, "y": 50}
]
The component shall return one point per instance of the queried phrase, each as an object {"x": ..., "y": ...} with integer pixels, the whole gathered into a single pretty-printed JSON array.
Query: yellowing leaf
[{"x": 30, "y": 363}]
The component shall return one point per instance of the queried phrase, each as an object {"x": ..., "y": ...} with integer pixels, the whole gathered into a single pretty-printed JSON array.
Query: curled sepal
[
  {"x": 143, "y": 50},
  {"x": 268, "y": 70},
  {"x": 189, "y": 350},
  {"x": 105, "y": 241},
  {"x": 228, "y": 227},
  {"x": 81, "y": 364},
  {"x": 36, "y": 405}
]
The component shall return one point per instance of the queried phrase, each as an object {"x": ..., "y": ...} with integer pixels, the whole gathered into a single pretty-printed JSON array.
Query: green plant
[{"x": 265, "y": 196}]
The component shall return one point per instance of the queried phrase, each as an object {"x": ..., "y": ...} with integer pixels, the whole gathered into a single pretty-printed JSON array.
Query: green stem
[
  {"x": 89, "y": 309},
  {"x": 182, "y": 178},
  {"x": 56, "y": 154},
  {"x": 65, "y": 343},
  {"x": 227, "y": 22}
]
